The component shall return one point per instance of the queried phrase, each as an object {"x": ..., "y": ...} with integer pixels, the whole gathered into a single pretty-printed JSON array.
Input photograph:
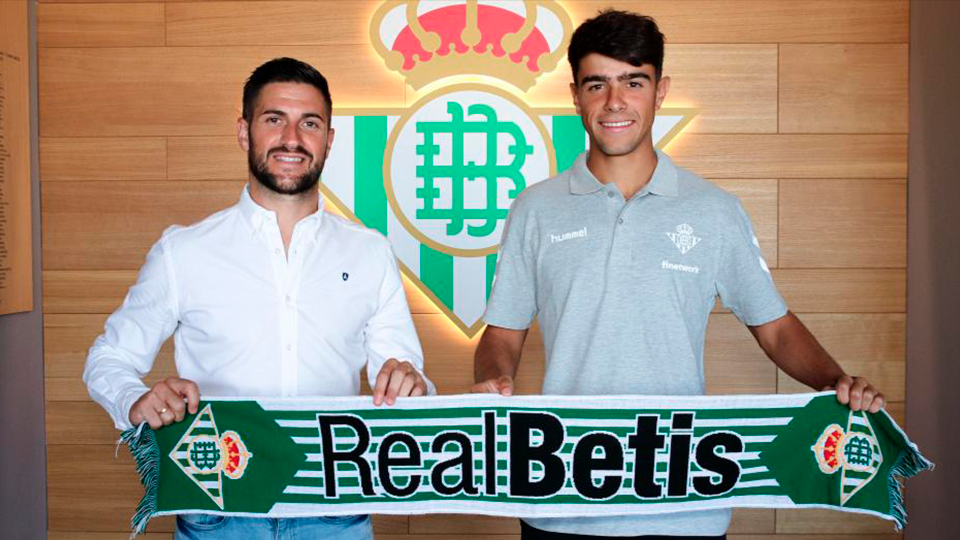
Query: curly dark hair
[{"x": 621, "y": 35}]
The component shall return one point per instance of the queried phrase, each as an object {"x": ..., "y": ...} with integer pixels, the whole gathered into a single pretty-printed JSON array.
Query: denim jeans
[{"x": 213, "y": 527}]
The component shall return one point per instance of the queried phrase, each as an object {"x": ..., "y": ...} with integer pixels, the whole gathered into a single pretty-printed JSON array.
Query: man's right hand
[
  {"x": 502, "y": 385},
  {"x": 167, "y": 402}
]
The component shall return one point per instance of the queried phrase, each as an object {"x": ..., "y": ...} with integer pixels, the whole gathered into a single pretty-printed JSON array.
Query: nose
[
  {"x": 290, "y": 138},
  {"x": 614, "y": 102}
]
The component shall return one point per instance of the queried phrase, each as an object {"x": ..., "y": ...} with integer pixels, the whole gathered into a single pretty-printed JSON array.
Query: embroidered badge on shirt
[{"x": 684, "y": 238}]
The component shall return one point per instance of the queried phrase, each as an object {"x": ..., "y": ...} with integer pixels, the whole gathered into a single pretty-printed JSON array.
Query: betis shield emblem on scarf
[{"x": 438, "y": 178}]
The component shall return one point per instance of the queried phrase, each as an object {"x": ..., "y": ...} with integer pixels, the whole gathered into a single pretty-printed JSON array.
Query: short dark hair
[
  {"x": 282, "y": 70},
  {"x": 621, "y": 35}
]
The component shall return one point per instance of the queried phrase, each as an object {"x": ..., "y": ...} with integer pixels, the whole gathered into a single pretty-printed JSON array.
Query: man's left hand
[
  {"x": 397, "y": 379},
  {"x": 858, "y": 393}
]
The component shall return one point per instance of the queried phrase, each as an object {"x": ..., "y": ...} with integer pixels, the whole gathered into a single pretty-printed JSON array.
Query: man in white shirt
[{"x": 270, "y": 297}]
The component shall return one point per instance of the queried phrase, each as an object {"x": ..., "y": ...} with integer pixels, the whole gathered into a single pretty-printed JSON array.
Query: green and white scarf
[{"x": 524, "y": 456}]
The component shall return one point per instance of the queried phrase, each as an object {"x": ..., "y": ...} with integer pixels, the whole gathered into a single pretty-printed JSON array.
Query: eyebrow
[
  {"x": 622, "y": 77},
  {"x": 278, "y": 112}
]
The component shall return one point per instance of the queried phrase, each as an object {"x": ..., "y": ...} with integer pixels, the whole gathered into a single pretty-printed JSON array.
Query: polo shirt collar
[
  {"x": 663, "y": 182},
  {"x": 257, "y": 216}
]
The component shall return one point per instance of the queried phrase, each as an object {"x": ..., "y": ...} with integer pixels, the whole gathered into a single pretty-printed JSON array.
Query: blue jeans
[{"x": 213, "y": 527}]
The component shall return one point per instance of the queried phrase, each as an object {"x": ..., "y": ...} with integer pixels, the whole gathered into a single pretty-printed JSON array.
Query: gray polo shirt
[{"x": 623, "y": 290}]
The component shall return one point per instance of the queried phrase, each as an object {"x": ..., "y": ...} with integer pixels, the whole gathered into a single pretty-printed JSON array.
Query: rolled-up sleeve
[{"x": 125, "y": 352}]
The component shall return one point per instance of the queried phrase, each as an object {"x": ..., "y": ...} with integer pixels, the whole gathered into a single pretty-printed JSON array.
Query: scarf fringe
[
  {"x": 909, "y": 463},
  {"x": 146, "y": 452}
]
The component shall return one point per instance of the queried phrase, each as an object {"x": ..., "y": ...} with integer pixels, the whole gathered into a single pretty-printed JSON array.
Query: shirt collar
[
  {"x": 663, "y": 182},
  {"x": 257, "y": 216}
]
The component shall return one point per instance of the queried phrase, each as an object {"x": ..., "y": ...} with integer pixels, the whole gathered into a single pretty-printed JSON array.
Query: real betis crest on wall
[{"x": 439, "y": 177}]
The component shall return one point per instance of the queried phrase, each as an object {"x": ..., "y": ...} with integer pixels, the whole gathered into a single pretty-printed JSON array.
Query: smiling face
[
  {"x": 617, "y": 103},
  {"x": 287, "y": 138}
]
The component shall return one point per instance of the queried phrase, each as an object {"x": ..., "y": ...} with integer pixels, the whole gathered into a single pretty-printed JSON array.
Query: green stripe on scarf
[{"x": 524, "y": 456}]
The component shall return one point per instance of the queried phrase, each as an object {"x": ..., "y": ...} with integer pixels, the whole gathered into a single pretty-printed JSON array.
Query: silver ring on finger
[{"x": 163, "y": 410}]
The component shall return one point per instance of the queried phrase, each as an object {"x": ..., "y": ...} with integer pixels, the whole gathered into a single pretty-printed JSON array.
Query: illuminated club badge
[{"x": 459, "y": 160}]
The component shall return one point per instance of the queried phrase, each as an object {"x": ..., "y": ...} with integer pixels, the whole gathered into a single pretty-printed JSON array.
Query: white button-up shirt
[{"x": 249, "y": 319}]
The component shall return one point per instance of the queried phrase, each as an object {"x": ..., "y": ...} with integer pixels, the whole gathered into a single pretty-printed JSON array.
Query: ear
[
  {"x": 243, "y": 134},
  {"x": 662, "y": 88},
  {"x": 330, "y": 134},
  {"x": 575, "y": 96}
]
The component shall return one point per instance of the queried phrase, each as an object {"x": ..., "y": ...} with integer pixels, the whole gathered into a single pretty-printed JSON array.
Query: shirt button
[
  {"x": 289, "y": 347},
  {"x": 610, "y": 194},
  {"x": 289, "y": 299},
  {"x": 276, "y": 251},
  {"x": 620, "y": 221}
]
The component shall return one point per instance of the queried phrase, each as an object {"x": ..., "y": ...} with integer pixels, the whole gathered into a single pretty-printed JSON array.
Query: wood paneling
[
  {"x": 859, "y": 290},
  {"x": 843, "y": 88},
  {"x": 813, "y": 521},
  {"x": 100, "y": 25},
  {"x": 765, "y": 21},
  {"x": 867, "y": 345},
  {"x": 87, "y": 159},
  {"x": 75, "y": 503},
  {"x": 207, "y": 158},
  {"x": 85, "y": 291},
  {"x": 733, "y": 362},
  {"x": 96, "y": 225},
  {"x": 151, "y": 91},
  {"x": 291, "y": 23},
  {"x": 843, "y": 223},
  {"x": 67, "y": 339},
  {"x": 791, "y": 156}
]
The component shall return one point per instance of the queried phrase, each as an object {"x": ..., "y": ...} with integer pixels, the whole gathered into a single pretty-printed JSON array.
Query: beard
[{"x": 301, "y": 184}]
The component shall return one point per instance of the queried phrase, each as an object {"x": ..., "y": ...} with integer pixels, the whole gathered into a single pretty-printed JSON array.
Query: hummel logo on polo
[{"x": 581, "y": 233}]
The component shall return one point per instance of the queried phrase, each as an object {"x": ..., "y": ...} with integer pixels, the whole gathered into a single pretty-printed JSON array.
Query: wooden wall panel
[
  {"x": 733, "y": 362},
  {"x": 84, "y": 159},
  {"x": 765, "y": 21},
  {"x": 101, "y": 25},
  {"x": 812, "y": 521},
  {"x": 85, "y": 291},
  {"x": 159, "y": 91},
  {"x": 843, "y": 223},
  {"x": 791, "y": 156},
  {"x": 802, "y": 115},
  {"x": 208, "y": 158},
  {"x": 218, "y": 24},
  {"x": 859, "y": 290},
  {"x": 75, "y": 503},
  {"x": 91, "y": 225},
  {"x": 868, "y": 345},
  {"x": 842, "y": 88}
]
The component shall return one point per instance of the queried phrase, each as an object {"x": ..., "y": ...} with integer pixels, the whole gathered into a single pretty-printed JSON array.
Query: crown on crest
[
  {"x": 512, "y": 40},
  {"x": 685, "y": 229}
]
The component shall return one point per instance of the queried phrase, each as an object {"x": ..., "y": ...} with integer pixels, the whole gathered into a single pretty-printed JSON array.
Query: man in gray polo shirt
[{"x": 622, "y": 256}]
